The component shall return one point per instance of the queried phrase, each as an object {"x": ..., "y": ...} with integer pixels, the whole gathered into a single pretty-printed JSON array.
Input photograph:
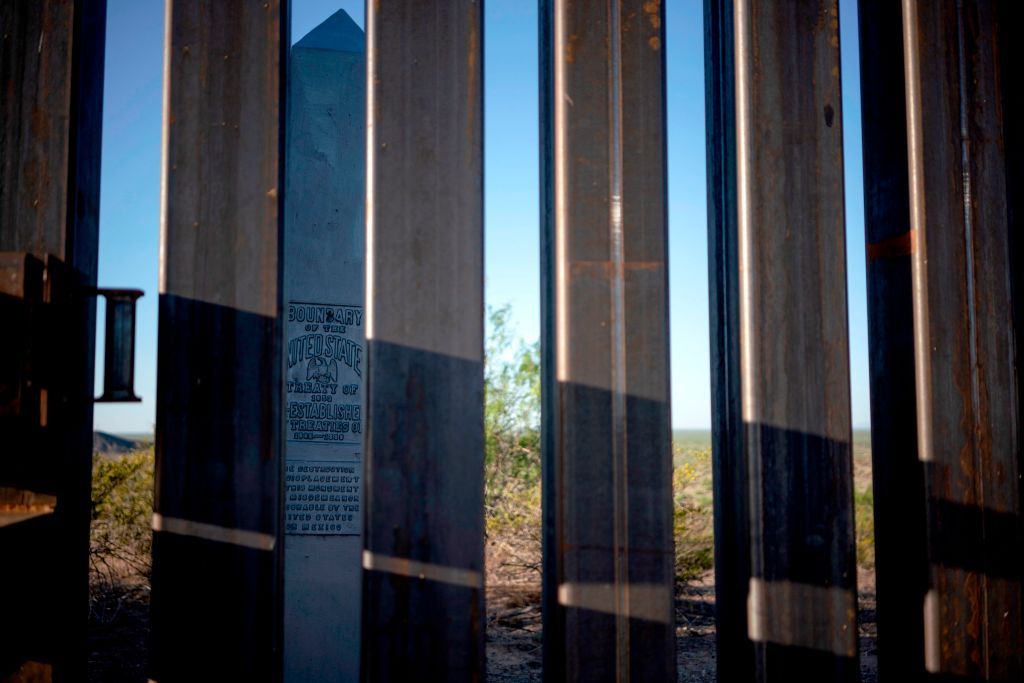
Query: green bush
[
  {"x": 693, "y": 526},
  {"x": 512, "y": 465},
  {"x": 511, "y": 426},
  {"x": 864, "y": 521},
  {"x": 122, "y": 510}
]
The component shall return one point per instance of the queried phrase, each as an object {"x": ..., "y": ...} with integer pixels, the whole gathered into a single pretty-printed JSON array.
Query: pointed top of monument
[{"x": 338, "y": 32}]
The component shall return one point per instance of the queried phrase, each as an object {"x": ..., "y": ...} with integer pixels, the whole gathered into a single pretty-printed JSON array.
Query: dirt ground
[
  {"x": 514, "y": 631},
  {"x": 119, "y": 632},
  {"x": 119, "y": 628}
]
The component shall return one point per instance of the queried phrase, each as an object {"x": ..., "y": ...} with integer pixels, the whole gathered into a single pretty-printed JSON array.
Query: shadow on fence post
[
  {"x": 216, "y": 600},
  {"x": 942, "y": 153},
  {"x": 607, "y": 453},
  {"x": 784, "y": 542},
  {"x": 423, "y": 558}
]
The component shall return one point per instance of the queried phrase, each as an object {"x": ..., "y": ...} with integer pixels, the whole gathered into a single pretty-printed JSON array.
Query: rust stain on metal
[
  {"x": 22, "y": 500},
  {"x": 40, "y": 125},
  {"x": 570, "y": 48},
  {"x": 893, "y": 247},
  {"x": 973, "y": 588},
  {"x": 652, "y": 9},
  {"x": 609, "y": 269},
  {"x": 4, "y": 507}
]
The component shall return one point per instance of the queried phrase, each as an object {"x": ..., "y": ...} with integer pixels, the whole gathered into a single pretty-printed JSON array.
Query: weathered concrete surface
[{"x": 324, "y": 362}]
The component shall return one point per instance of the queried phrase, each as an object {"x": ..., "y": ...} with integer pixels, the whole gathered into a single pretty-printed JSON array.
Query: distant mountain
[{"x": 108, "y": 444}]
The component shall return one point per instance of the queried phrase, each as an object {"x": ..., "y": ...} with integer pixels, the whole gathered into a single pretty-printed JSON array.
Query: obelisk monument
[{"x": 324, "y": 352}]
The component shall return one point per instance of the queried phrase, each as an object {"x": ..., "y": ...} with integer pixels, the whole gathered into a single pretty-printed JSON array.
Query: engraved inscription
[
  {"x": 323, "y": 497},
  {"x": 324, "y": 374}
]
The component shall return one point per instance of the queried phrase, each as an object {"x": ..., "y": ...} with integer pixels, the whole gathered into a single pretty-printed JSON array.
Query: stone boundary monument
[{"x": 323, "y": 350}]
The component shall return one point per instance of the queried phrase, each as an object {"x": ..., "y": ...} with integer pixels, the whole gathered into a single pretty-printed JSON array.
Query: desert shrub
[
  {"x": 512, "y": 467},
  {"x": 693, "y": 527},
  {"x": 122, "y": 510},
  {"x": 864, "y": 521},
  {"x": 511, "y": 424},
  {"x": 511, "y": 451}
]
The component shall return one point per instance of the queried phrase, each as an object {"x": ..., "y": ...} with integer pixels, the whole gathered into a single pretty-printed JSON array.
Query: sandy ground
[
  {"x": 514, "y": 631},
  {"x": 119, "y": 628}
]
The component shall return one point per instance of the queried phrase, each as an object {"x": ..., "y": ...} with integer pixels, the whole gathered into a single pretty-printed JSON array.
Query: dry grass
[{"x": 119, "y": 566}]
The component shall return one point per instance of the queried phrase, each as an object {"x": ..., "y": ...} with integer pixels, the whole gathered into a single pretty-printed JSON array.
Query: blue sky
[{"x": 130, "y": 194}]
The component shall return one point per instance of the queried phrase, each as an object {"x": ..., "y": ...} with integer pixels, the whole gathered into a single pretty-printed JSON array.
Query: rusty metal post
[
  {"x": 784, "y": 543},
  {"x": 423, "y": 600},
  {"x": 608, "y": 555},
  {"x": 216, "y": 545},
  {"x": 51, "y": 76},
  {"x": 942, "y": 153}
]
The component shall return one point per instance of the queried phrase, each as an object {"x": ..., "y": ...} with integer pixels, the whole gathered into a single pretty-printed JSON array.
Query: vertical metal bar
[
  {"x": 783, "y": 472},
  {"x": 216, "y": 545},
  {"x": 608, "y": 457},
  {"x": 423, "y": 600},
  {"x": 1011, "y": 54},
  {"x": 553, "y": 657},
  {"x": 898, "y": 486},
  {"x": 968, "y": 435},
  {"x": 731, "y": 505},
  {"x": 51, "y": 68},
  {"x": 960, "y": 147}
]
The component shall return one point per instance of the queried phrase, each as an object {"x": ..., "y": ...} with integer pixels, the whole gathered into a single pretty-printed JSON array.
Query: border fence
[{"x": 942, "y": 109}]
